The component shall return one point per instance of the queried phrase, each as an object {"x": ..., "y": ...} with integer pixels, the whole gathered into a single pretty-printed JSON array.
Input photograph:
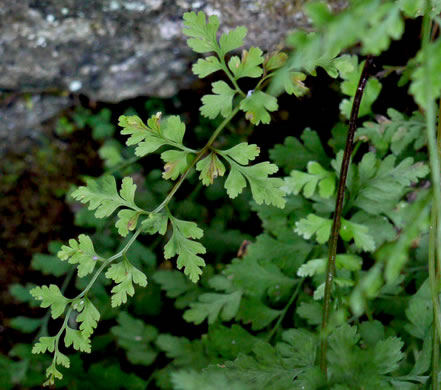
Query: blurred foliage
[{"x": 253, "y": 319}]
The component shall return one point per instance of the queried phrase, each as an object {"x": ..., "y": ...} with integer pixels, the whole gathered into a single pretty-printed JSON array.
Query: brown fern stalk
[{"x": 333, "y": 240}]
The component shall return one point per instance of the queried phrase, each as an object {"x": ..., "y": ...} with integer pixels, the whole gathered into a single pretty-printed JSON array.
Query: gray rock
[
  {"x": 110, "y": 50},
  {"x": 21, "y": 119}
]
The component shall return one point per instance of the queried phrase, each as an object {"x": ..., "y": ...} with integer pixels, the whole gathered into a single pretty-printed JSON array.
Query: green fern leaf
[
  {"x": 186, "y": 249},
  {"x": 219, "y": 103},
  {"x": 257, "y": 107},
  {"x": 210, "y": 306},
  {"x": 51, "y": 297},
  {"x": 80, "y": 252},
  {"x": 203, "y": 35},
  {"x": 76, "y": 338},
  {"x": 124, "y": 274},
  {"x": 88, "y": 317},
  {"x": 249, "y": 65}
]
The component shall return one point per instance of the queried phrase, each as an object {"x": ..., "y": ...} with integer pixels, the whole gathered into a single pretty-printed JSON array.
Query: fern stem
[
  {"x": 229, "y": 75},
  {"x": 435, "y": 360},
  {"x": 333, "y": 240},
  {"x": 122, "y": 252},
  {"x": 435, "y": 301},
  {"x": 434, "y": 274},
  {"x": 285, "y": 310},
  {"x": 60, "y": 332},
  {"x": 170, "y": 195},
  {"x": 438, "y": 138},
  {"x": 435, "y": 234}
]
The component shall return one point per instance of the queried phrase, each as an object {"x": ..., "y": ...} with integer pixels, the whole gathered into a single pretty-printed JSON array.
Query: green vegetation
[{"x": 339, "y": 290}]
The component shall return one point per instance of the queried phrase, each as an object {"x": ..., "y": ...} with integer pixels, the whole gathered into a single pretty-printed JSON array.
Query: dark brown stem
[{"x": 333, "y": 240}]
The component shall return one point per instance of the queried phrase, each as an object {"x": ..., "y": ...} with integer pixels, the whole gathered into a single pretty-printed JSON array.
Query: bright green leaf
[
  {"x": 186, "y": 249},
  {"x": 50, "y": 297},
  {"x": 312, "y": 312},
  {"x": 203, "y": 35},
  {"x": 257, "y": 105},
  {"x": 235, "y": 183},
  {"x": 127, "y": 221},
  {"x": 176, "y": 162},
  {"x": 80, "y": 252},
  {"x": 219, "y": 103},
  {"x": 207, "y": 66},
  {"x": 76, "y": 338},
  {"x": 243, "y": 153},
  {"x": 110, "y": 153},
  {"x": 349, "y": 87},
  {"x": 174, "y": 129},
  {"x": 62, "y": 359},
  {"x": 103, "y": 196},
  {"x": 155, "y": 223},
  {"x": 44, "y": 344},
  {"x": 264, "y": 189},
  {"x": 295, "y": 86},
  {"x": 318, "y": 266},
  {"x": 88, "y": 318},
  {"x": 124, "y": 274},
  {"x": 211, "y": 168},
  {"x": 360, "y": 234},
  {"x": 135, "y": 127},
  {"x": 52, "y": 373},
  {"x": 232, "y": 40},
  {"x": 249, "y": 65},
  {"x": 276, "y": 61},
  {"x": 389, "y": 25},
  {"x": 312, "y": 267},
  {"x": 147, "y": 139},
  {"x": 314, "y": 224},
  {"x": 308, "y": 181}
]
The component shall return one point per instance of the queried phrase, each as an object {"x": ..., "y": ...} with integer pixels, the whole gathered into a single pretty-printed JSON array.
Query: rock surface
[{"x": 111, "y": 50}]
